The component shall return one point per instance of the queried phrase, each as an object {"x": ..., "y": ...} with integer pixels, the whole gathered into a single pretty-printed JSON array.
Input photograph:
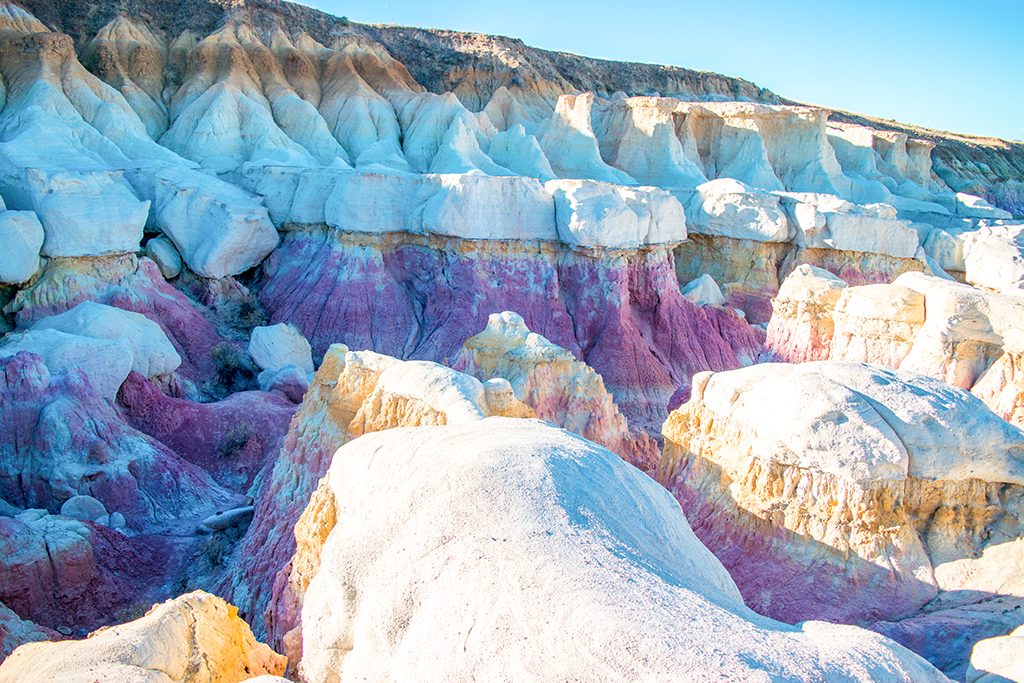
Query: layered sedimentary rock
[
  {"x": 579, "y": 541},
  {"x": 422, "y": 297},
  {"x": 353, "y": 393},
  {"x": 259, "y": 117},
  {"x": 969, "y": 337},
  {"x": 549, "y": 379},
  {"x": 196, "y": 637},
  {"x": 888, "y": 487},
  {"x": 260, "y": 172}
]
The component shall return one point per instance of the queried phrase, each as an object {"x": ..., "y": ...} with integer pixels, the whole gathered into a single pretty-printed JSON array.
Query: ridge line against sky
[{"x": 938, "y": 64}]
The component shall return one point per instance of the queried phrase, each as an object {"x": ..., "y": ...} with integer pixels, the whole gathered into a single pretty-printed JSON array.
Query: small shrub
[
  {"x": 235, "y": 372},
  {"x": 236, "y": 440}
]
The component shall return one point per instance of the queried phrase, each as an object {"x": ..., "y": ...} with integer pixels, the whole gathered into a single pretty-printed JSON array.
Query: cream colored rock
[
  {"x": 420, "y": 393},
  {"x": 594, "y": 565},
  {"x": 152, "y": 352},
  {"x": 999, "y": 659},
  {"x": 1001, "y": 387},
  {"x": 877, "y": 324},
  {"x": 163, "y": 252},
  {"x": 196, "y": 638},
  {"x": 273, "y": 347},
  {"x": 501, "y": 400},
  {"x": 848, "y": 473},
  {"x": 826, "y": 221},
  {"x": 993, "y": 257},
  {"x": 548, "y": 378},
  {"x": 356, "y": 393},
  {"x": 801, "y": 327},
  {"x": 964, "y": 332}
]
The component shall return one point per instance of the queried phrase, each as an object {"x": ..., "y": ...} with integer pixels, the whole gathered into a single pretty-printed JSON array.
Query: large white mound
[{"x": 521, "y": 552}]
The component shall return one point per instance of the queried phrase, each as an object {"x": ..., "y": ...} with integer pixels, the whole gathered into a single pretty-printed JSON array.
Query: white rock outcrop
[
  {"x": 218, "y": 228},
  {"x": 595, "y": 214},
  {"x": 105, "y": 362},
  {"x": 596, "y": 563},
  {"x": 21, "y": 239},
  {"x": 152, "y": 352},
  {"x": 994, "y": 257},
  {"x": 730, "y": 208},
  {"x": 82, "y": 213},
  {"x": 273, "y": 347}
]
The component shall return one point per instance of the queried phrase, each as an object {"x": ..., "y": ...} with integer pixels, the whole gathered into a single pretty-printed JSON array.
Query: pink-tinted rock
[
  {"x": 61, "y": 438},
  {"x": 128, "y": 282},
  {"x": 422, "y": 297},
  {"x": 60, "y": 572},
  {"x": 232, "y": 438}
]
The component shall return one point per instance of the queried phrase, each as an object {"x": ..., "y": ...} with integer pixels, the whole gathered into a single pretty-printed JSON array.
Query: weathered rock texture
[
  {"x": 894, "y": 490},
  {"x": 195, "y": 638},
  {"x": 580, "y": 543},
  {"x": 969, "y": 337},
  {"x": 353, "y": 393}
]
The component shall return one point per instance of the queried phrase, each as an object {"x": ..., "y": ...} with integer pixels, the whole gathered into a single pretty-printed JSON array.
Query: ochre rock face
[
  {"x": 196, "y": 637},
  {"x": 891, "y": 489}
]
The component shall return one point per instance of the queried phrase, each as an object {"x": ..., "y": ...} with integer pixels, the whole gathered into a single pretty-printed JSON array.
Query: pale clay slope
[
  {"x": 260, "y": 109},
  {"x": 577, "y": 540}
]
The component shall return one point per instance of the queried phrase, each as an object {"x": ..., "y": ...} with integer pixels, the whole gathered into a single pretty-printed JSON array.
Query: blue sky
[{"x": 947, "y": 64}]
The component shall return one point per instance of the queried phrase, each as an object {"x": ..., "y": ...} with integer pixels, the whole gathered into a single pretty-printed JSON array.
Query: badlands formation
[{"x": 347, "y": 352}]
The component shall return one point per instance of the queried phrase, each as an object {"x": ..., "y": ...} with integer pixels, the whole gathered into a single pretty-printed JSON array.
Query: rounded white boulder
[
  {"x": 153, "y": 353},
  {"x": 274, "y": 346},
  {"x": 165, "y": 255},
  {"x": 85, "y": 508},
  {"x": 21, "y": 238}
]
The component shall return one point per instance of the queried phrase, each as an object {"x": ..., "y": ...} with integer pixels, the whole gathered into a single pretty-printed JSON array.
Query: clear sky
[{"x": 955, "y": 65}]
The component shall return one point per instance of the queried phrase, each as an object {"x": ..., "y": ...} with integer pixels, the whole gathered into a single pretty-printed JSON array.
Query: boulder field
[{"x": 332, "y": 351}]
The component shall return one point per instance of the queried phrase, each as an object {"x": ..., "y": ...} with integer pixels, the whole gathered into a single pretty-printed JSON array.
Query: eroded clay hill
[{"x": 279, "y": 292}]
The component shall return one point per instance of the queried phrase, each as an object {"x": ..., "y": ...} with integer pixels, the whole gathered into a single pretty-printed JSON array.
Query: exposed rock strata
[{"x": 894, "y": 490}]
